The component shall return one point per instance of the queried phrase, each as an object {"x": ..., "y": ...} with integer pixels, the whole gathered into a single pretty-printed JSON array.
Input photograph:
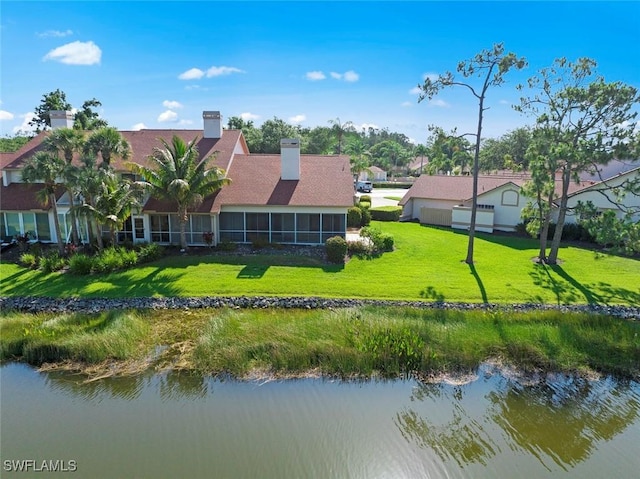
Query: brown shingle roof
[
  {"x": 456, "y": 188},
  {"x": 23, "y": 197},
  {"x": 255, "y": 180}
]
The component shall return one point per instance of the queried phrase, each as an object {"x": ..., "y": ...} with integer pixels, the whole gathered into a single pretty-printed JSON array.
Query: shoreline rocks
[{"x": 33, "y": 304}]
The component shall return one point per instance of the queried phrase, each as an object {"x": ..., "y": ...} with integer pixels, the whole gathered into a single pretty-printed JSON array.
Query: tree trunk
[
  {"x": 474, "y": 204},
  {"x": 182, "y": 214},
  {"x": 56, "y": 223},
  {"x": 74, "y": 219},
  {"x": 557, "y": 236}
]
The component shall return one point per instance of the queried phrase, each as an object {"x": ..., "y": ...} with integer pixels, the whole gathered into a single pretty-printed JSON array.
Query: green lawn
[{"x": 426, "y": 265}]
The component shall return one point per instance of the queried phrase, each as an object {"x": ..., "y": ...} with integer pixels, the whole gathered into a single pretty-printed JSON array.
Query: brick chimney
[
  {"x": 61, "y": 119},
  {"x": 290, "y": 158},
  {"x": 212, "y": 124}
]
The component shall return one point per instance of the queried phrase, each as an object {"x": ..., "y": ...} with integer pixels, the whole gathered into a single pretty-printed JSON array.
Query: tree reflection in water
[{"x": 559, "y": 421}]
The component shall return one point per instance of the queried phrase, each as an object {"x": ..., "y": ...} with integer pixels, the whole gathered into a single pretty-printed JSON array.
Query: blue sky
[{"x": 160, "y": 64}]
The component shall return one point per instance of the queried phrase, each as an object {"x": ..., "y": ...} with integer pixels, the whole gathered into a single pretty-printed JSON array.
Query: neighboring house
[
  {"x": 373, "y": 173},
  {"x": 446, "y": 200},
  {"x": 601, "y": 194},
  {"x": 286, "y": 198}
]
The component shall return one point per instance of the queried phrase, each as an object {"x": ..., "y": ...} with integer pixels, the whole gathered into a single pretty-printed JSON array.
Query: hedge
[{"x": 386, "y": 213}]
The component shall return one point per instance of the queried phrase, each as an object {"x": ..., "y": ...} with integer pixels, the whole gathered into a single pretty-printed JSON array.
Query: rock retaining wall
[{"x": 94, "y": 305}]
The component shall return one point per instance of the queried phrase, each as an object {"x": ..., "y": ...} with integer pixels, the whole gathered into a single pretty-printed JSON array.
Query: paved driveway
[{"x": 378, "y": 196}]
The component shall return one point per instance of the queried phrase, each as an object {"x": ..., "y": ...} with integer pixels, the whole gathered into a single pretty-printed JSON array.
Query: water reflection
[
  {"x": 561, "y": 420},
  {"x": 564, "y": 420},
  {"x": 172, "y": 385}
]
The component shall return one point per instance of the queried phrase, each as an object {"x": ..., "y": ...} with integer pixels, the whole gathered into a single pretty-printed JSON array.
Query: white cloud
[
  {"x": 315, "y": 76},
  {"x": 415, "y": 91},
  {"x": 76, "y": 53},
  {"x": 192, "y": 74},
  {"x": 55, "y": 33},
  {"x": 297, "y": 118},
  {"x": 5, "y": 115},
  {"x": 171, "y": 105},
  {"x": 407, "y": 103},
  {"x": 351, "y": 76},
  {"x": 439, "y": 103},
  {"x": 505, "y": 102},
  {"x": 25, "y": 126},
  {"x": 139, "y": 126},
  {"x": 412, "y": 141},
  {"x": 196, "y": 87},
  {"x": 219, "y": 71},
  {"x": 431, "y": 76},
  {"x": 168, "y": 116},
  {"x": 246, "y": 116}
]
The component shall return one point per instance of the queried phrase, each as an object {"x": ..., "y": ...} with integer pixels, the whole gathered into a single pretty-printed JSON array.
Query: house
[
  {"x": 446, "y": 200},
  {"x": 373, "y": 173},
  {"x": 285, "y": 198}
]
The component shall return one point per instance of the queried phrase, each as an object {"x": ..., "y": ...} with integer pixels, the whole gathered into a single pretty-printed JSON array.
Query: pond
[{"x": 169, "y": 425}]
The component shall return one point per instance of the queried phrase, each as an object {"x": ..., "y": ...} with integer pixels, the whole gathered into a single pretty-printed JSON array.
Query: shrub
[
  {"x": 358, "y": 248},
  {"x": 364, "y": 204},
  {"x": 386, "y": 213},
  {"x": 365, "y": 198},
  {"x": 381, "y": 241},
  {"x": 366, "y": 216},
  {"x": 29, "y": 260},
  {"x": 80, "y": 264},
  {"x": 149, "y": 252},
  {"x": 259, "y": 243},
  {"x": 112, "y": 259},
  {"x": 52, "y": 262},
  {"x": 336, "y": 249},
  {"x": 354, "y": 217}
]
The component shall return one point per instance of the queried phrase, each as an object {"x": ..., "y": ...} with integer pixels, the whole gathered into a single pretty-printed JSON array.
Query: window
[
  {"x": 257, "y": 226},
  {"x": 510, "y": 198},
  {"x": 43, "y": 230},
  {"x": 332, "y": 225},
  {"x": 199, "y": 225},
  {"x": 13, "y": 224},
  {"x": 283, "y": 228},
  {"x": 232, "y": 227},
  {"x": 308, "y": 226},
  {"x": 159, "y": 228}
]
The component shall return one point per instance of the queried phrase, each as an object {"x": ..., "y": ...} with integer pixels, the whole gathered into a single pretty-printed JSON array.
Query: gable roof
[
  {"x": 604, "y": 184},
  {"x": 457, "y": 188}
]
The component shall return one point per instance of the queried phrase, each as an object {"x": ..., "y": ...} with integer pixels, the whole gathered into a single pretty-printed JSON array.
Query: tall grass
[
  {"x": 38, "y": 339},
  {"x": 357, "y": 342}
]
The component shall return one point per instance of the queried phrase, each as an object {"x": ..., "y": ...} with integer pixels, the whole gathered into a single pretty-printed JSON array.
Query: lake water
[{"x": 178, "y": 426}]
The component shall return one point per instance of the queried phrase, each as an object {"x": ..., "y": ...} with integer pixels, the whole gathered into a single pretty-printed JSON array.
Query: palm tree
[
  {"x": 47, "y": 168},
  {"x": 68, "y": 141},
  {"x": 115, "y": 201},
  {"x": 109, "y": 143},
  {"x": 421, "y": 151},
  {"x": 89, "y": 182},
  {"x": 340, "y": 129},
  {"x": 360, "y": 158},
  {"x": 178, "y": 176}
]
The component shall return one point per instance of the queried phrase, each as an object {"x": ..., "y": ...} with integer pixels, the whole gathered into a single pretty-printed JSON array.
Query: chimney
[
  {"x": 290, "y": 158},
  {"x": 61, "y": 119},
  {"x": 212, "y": 124}
]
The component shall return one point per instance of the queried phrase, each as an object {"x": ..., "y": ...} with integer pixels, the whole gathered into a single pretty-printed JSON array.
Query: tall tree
[
  {"x": 88, "y": 119},
  {"x": 490, "y": 66},
  {"x": 360, "y": 157},
  {"x": 340, "y": 130},
  {"x": 109, "y": 143},
  {"x": 68, "y": 142},
  {"x": 421, "y": 151},
  {"x": 507, "y": 152},
  {"x": 46, "y": 167},
  {"x": 275, "y": 130},
  {"x": 114, "y": 201},
  {"x": 55, "y": 100},
  {"x": 177, "y": 175},
  {"x": 89, "y": 183},
  {"x": 585, "y": 122},
  {"x": 448, "y": 152}
]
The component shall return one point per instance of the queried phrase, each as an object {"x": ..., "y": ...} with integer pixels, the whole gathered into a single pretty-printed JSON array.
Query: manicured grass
[
  {"x": 393, "y": 198},
  {"x": 357, "y": 342},
  {"x": 426, "y": 265}
]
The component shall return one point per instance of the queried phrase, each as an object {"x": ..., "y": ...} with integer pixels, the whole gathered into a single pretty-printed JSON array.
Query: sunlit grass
[{"x": 427, "y": 264}]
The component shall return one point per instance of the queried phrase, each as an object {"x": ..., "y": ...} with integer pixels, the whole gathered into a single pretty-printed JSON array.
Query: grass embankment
[
  {"x": 427, "y": 264},
  {"x": 346, "y": 343}
]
